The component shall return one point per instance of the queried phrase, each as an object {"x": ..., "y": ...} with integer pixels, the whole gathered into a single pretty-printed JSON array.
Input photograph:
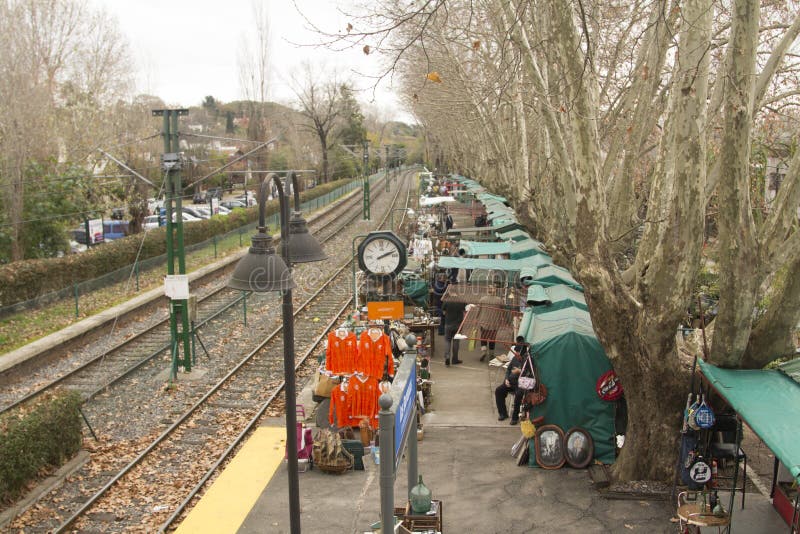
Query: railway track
[
  {"x": 210, "y": 429},
  {"x": 97, "y": 374}
]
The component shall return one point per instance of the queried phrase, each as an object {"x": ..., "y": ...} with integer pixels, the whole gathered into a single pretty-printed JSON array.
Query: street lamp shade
[
  {"x": 303, "y": 247},
  {"x": 261, "y": 269}
]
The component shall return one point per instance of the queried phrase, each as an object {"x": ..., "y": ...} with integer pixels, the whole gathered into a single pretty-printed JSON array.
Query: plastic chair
[{"x": 724, "y": 446}]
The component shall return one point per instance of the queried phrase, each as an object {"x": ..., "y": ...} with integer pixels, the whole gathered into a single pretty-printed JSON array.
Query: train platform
[{"x": 464, "y": 459}]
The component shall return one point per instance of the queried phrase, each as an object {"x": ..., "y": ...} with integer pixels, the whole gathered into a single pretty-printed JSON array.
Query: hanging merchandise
[
  {"x": 339, "y": 411},
  {"x": 700, "y": 471},
  {"x": 374, "y": 354},
  {"x": 608, "y": 386},
  {"x": 691, "y": 414},
  {"x": 527, "y": 382},
  {"x": 704, "y": 415},
  {"x": 342, "y": 350}
]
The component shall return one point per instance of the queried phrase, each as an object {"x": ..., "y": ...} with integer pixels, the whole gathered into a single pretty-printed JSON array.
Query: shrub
[
  {"x": 41, "y": 438},
  {"x": 28, "y": 279}
]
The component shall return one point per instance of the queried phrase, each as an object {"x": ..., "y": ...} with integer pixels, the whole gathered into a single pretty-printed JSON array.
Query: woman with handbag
[{"x": 520, "y": 365}]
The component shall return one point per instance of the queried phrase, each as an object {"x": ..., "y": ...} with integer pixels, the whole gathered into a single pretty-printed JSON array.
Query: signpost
[{"x": 395, "y": 428}]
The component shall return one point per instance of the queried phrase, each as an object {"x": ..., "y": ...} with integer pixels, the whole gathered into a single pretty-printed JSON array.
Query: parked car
[
  {"x": 214, "y": 192},
  {"x": 111, "y": 230},
  {"x": 187, "y": 217},
  {"x": 199, "y": 198},
  {"x": 233, "y": 204},
  {"x": 150, "y": 222},
  {"x": 223, "y": 210},
  {"x": 197, "y": 211}
]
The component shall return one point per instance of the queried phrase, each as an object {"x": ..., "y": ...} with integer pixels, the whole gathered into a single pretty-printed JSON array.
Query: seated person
[{"x": 509, "y": 385}]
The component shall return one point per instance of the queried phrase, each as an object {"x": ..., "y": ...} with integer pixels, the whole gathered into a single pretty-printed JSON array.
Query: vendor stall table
[
  {"x": 430, "y": 328},
  {"x": 693, "y": 515}
]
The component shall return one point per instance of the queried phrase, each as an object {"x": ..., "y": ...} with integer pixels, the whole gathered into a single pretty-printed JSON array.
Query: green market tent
[
  {"x": 416, "y": 289},
  {"x": 489, "y": 196},
  {"x": 548, "y": 275},
  {"x": 561, "y": 297},
  {"x": 791, "y": 369},
  {"x": 515, "y": 249},
  {"x": 768, "y": 401},
  {"x": 570, "y": 360},
  {"x": 514, "y": 235},
  {"x": 452, "y": 262}
]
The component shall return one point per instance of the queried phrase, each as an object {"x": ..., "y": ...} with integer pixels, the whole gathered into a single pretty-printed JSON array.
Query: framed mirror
[
  {"x": 578, "y": 447},
  {"x": 549, "y": 444}
]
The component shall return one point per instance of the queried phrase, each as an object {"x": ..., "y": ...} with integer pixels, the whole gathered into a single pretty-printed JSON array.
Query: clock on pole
[{"x": 382, "y": 254}]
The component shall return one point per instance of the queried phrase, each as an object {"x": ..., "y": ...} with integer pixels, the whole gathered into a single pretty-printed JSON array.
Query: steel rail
[
  {"x": 355, "y": 200},
  {"x": 224, "y": 456},
  {"x": 172, "y": 428}
]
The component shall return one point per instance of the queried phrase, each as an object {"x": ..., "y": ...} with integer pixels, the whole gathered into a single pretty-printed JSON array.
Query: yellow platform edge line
[{"x": 233, "y": 494}]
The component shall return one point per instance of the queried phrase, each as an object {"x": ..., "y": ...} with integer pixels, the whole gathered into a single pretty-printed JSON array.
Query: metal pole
[
  {"x": 386, "y": 429},
  {"x": 75, "y": 286},
  {"x": 355, "y": 289},
  {"x": 186, "y": 331},
  {"x": 366, "y": 214},
  {"x": 289, "y": 373},
  {"x": 244, "y": 306},
  {"x": 411, "y": 443}
]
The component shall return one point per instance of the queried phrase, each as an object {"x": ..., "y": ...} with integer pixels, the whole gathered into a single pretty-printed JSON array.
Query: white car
[
  {"x": 187, "y": 217},
  {"x": 150, "y": 222}
]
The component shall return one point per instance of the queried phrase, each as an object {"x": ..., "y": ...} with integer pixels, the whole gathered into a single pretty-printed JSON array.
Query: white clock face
[{"x": 381, "y": 256}]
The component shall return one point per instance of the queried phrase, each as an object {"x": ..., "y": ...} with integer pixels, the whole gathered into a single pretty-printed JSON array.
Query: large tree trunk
[
  {"x": 738, "y": 252},
  {"x": 772, "y": 337}
]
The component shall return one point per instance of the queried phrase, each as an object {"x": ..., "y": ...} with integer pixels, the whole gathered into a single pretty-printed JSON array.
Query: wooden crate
[{"x": 420, "y": 523}]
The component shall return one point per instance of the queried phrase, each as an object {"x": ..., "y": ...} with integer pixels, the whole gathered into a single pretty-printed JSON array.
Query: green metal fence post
[
  {"x": 76, "y": 300},
  {"x": 136, "y": 271},
  {"x": 215, "y": 247}
]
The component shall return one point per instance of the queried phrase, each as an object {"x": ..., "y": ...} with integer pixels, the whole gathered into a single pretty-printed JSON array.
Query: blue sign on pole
[{"x": 404, "y": 414}]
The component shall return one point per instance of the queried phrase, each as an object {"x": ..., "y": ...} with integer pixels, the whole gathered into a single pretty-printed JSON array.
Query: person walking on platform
[
  {"x": 488, "y": 318},
  {"x": 440, "y": 284},
  {"x": 453, "y": 315},
  {"x": 510, "y": 381}
]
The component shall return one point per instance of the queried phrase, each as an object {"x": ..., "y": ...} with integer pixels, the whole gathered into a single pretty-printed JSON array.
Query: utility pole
[
  {"x": 178, "y": 309},
  {"x": 366, "y": 214}
]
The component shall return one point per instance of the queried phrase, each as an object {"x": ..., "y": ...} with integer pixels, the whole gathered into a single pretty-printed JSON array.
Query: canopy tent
[
  {"x": 513, "y": 235},
  {"x": 483, "y": 248},
  {"x": 559, "y": 296},
  {"x": 768, "y": 401},
  {"x": 547, "y": 275},
  {"x": 452, "y": 262},
  {"x": 434, "y": 201},
  {"x": 570, "y": 361},
  {"x": 791, "y": 369},
  {"x": 516, "y": 250},
  {"x": 489, "y": 196},
  {"x": 508, "y": 226}
]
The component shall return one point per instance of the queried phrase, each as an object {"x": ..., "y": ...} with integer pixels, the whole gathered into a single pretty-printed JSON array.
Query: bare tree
[
  {"x": 613, "y": 127},
  {"x": 62, "y": 64},
  {"x": 254, "y": 77},
  {"x": 319, "y": 102}
]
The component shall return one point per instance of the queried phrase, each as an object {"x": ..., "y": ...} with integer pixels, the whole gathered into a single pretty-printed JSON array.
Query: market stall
[{"x": 768, "y": 401}]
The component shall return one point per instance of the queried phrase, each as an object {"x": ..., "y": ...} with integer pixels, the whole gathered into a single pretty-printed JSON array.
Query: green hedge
[
  {"x": 42, "y": 438},
  {"x": 24, "y": 280}
]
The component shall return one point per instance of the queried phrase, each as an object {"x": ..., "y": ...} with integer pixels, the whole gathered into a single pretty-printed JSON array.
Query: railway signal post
[{"x": 178, "y": 308}]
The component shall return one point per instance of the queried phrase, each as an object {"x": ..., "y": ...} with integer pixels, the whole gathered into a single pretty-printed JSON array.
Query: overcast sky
[{"x": 187, "y": 49}]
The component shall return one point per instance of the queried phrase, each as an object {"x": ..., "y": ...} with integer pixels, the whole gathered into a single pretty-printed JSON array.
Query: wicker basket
[{"x": 338, "y": 466}]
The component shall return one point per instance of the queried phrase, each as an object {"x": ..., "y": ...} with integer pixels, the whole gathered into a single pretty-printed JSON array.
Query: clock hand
[{"x": 384, "y": 255}]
